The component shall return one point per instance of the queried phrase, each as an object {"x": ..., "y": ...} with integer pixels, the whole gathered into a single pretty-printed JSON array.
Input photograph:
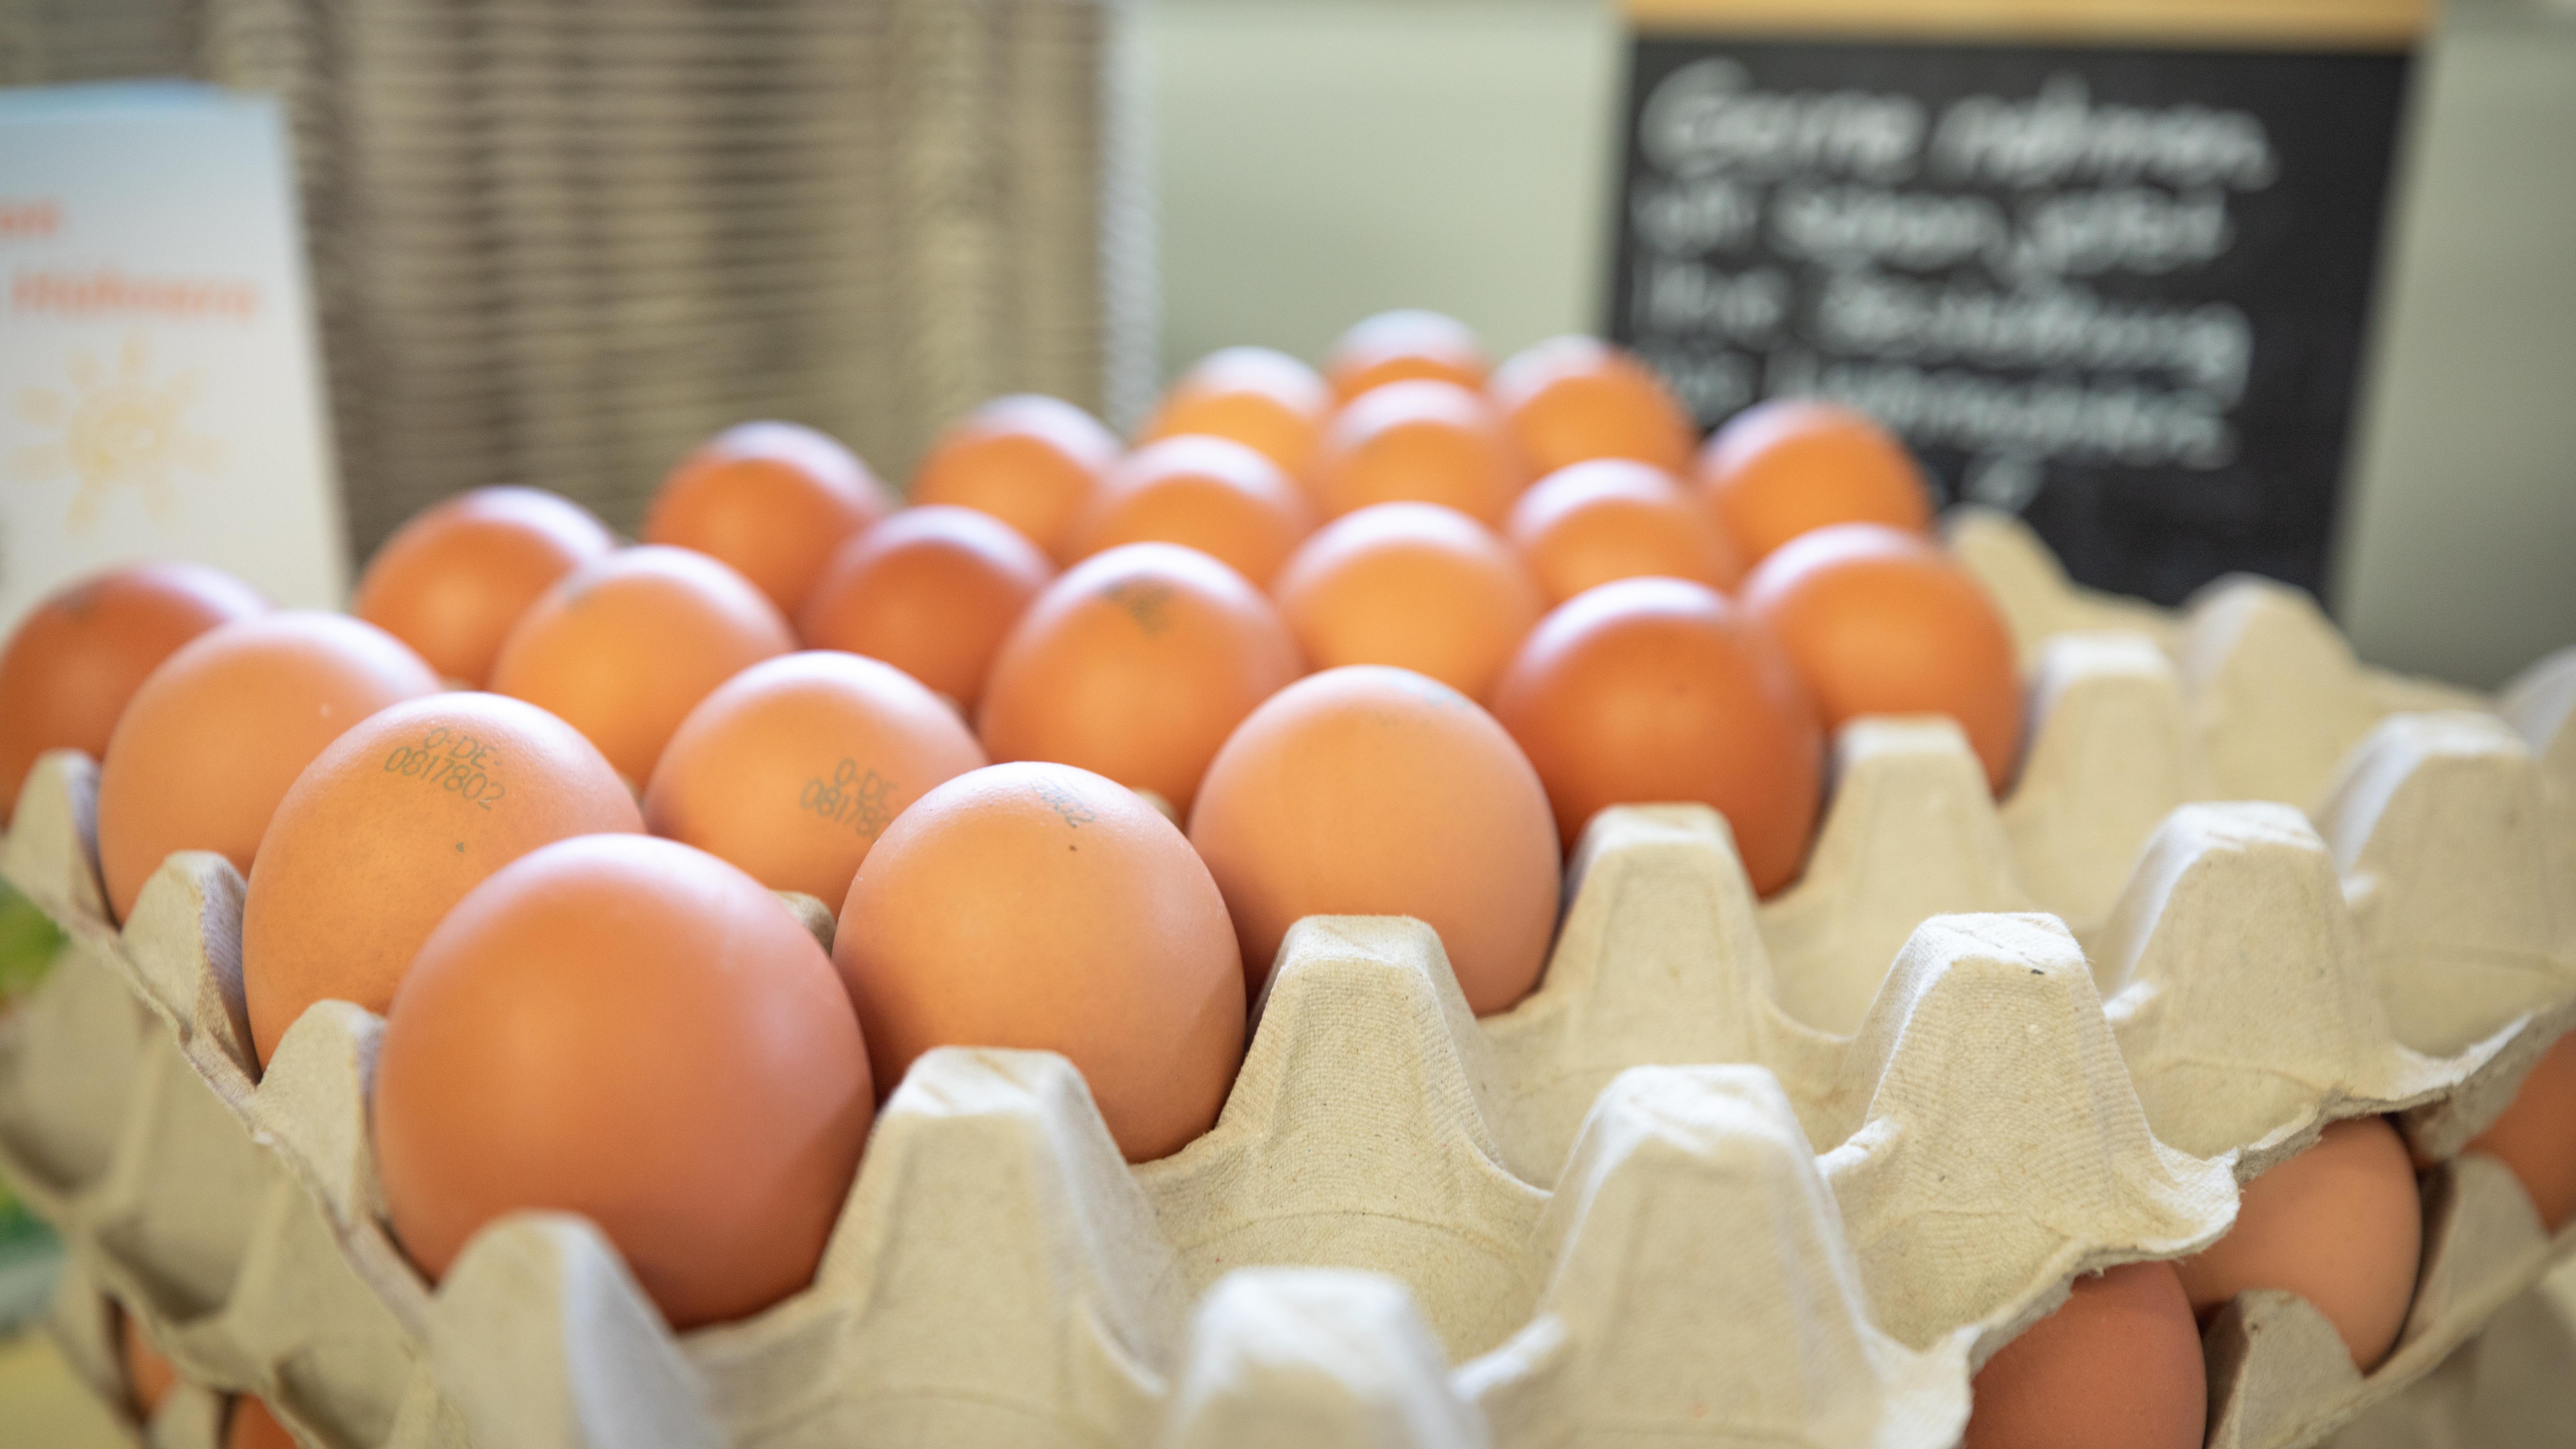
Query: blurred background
[
  {"x": 1322, "y": 159},
  {"x": 557, "y": 243}
]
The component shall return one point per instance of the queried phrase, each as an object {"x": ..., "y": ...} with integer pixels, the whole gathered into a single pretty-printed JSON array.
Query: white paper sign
[{"x": 159, "y": 395}]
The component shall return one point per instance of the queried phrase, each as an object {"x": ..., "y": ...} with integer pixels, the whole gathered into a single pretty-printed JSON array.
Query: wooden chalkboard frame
[{"x": 2224, "y": 24}]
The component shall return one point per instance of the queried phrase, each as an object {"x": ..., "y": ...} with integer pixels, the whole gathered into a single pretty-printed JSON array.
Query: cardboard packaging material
[
  {"x": 2247, "y": 693},
  {"x": 1738, "y": 1172},
  {"x": 2504, "y": 1389}
]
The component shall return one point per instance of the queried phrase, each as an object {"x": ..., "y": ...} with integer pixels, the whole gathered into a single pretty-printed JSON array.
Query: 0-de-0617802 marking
[
  {"x": 860, "y": 801},
  {"x": 452, "y": 761}
]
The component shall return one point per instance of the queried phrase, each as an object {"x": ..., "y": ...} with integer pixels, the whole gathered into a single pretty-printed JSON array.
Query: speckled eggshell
[
  {"x": 1369, "y": 791},
  {"x": 1880, "y": 621},
  {"x": 218, "y": 733},
  {"x": 1034, "y": 462},
  {"x": 772, "y": 500},
  {"x": 1136, "y": 664},
  {"x": 2117, "y": 1366},
  {"x": 149, "y": 1376},
  {"x": 633, "y": 1030},
  {"x": 1215, "y": 495},
  {"x": 794, "y": 767},
  {"x": 1257, "y": 396},
  {"x": 624, "y": 648},
  {"x": 1792, "y": 465},
  {"x": 1044, "y": 907},
  {"x": 2339, "y": 1225},
  {"x": 1406, "y": 345},
  {"x": 453, "y": 581},
  {"x": 1610, "y": 519},
  {"x": 248, "y": 1424},
  {"x": 1412, "y": 585},
  {"x": 80, "y": 655},
  {"x": 389, "y": 828},
  {"x": 931, "y": 591},
  {"x": 1571, "y": 399},
  {"x": 2536, "y": 1136},
  {"x": 1656, "y": 691},
  {"x": 1418, "y": 442}
]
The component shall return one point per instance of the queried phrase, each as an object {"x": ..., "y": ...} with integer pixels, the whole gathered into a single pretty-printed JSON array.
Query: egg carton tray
[
  {"x": 1410, "y": 1226},
  {"x": 2277, "y": 698},
  {"x": 2506, "y": 1388},
  {"x": 1929, "y": 1102}
]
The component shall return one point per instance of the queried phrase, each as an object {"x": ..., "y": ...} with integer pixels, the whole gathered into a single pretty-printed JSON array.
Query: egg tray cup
[
  {"x": 1410, "y": 1226},
  {"x": 2277, "y": 698},
  {"x": 2506, "y": 1388}
]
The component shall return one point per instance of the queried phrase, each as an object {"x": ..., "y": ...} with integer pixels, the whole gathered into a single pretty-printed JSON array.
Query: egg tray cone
[
  {"x": 1411, "y": 1227},
  {"x": 2276, "y": 698}
]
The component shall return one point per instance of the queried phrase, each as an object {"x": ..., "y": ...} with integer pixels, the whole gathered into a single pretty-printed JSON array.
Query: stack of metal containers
[{"x": 558, "y": 243}]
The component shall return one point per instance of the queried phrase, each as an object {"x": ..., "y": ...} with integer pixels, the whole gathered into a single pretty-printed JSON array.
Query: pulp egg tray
[
  {"x": 2506, "y": 1388},
  {"x": 1737, "y": 1172},
  {"x": 2276, "y": 698}
]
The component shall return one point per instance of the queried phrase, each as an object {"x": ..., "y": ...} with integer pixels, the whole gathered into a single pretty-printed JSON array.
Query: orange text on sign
[
  {"x": 105, "y": 291},
  {"x": 29, "y": 217}
]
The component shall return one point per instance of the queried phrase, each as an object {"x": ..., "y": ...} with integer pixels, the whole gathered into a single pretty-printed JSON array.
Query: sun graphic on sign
[{"x": 115, "y": 431}]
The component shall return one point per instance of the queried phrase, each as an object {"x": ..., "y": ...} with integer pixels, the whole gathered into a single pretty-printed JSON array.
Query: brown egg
[
  {"x": 2339, "y": 1225},
  {"x": 772, "y": 501},
  {"x": 1572, "y": 399},
  {"x": 635, "y": 1031},
  {"x": 931, "y": 591},
  {"x": 1264, "y": 399},
  {"x": 1136, "y": 664},
  {"x": 1033, "y": 462},
  {"x": 1043, "y": 907},
  {"x": 1785, "y": 467},
  {"x": 1413, "y": 585},
  {"x": 79, "y": 656},
  {"x": 214, "y": 738},
  {"x": 248, "y": 1424},
  {"x": 2117, "y": 1366},
  {"x": 149, "y": 1377},
  {"x": 389, "y": 828},
  {"x": 1650, "y": 691},
  {"x": 1215, "y": 495},
  {"x": 1611, "y": 519},
  {"x": 2536, "y": 1136},
  {"x": 1405, "y": 346},
  {"x": 1418, "y": 442},
  {"x": 794, "y": 767},
  {"x": 1878, "y": 621},
  {"x": 453, "y": 581},
  {"x": 623, "y": 649},
  {"x": 1379, "y": 792}
]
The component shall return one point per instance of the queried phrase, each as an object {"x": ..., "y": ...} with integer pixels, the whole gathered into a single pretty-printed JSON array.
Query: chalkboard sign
[{"x": 2121, "y": 289}]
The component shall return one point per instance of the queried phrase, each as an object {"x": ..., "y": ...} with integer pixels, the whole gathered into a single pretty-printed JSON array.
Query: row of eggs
[{"x": 583, "y": 1016}]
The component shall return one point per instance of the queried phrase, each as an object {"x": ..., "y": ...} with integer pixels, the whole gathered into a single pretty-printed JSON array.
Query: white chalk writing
[{"x": 1954, "y": 274}]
